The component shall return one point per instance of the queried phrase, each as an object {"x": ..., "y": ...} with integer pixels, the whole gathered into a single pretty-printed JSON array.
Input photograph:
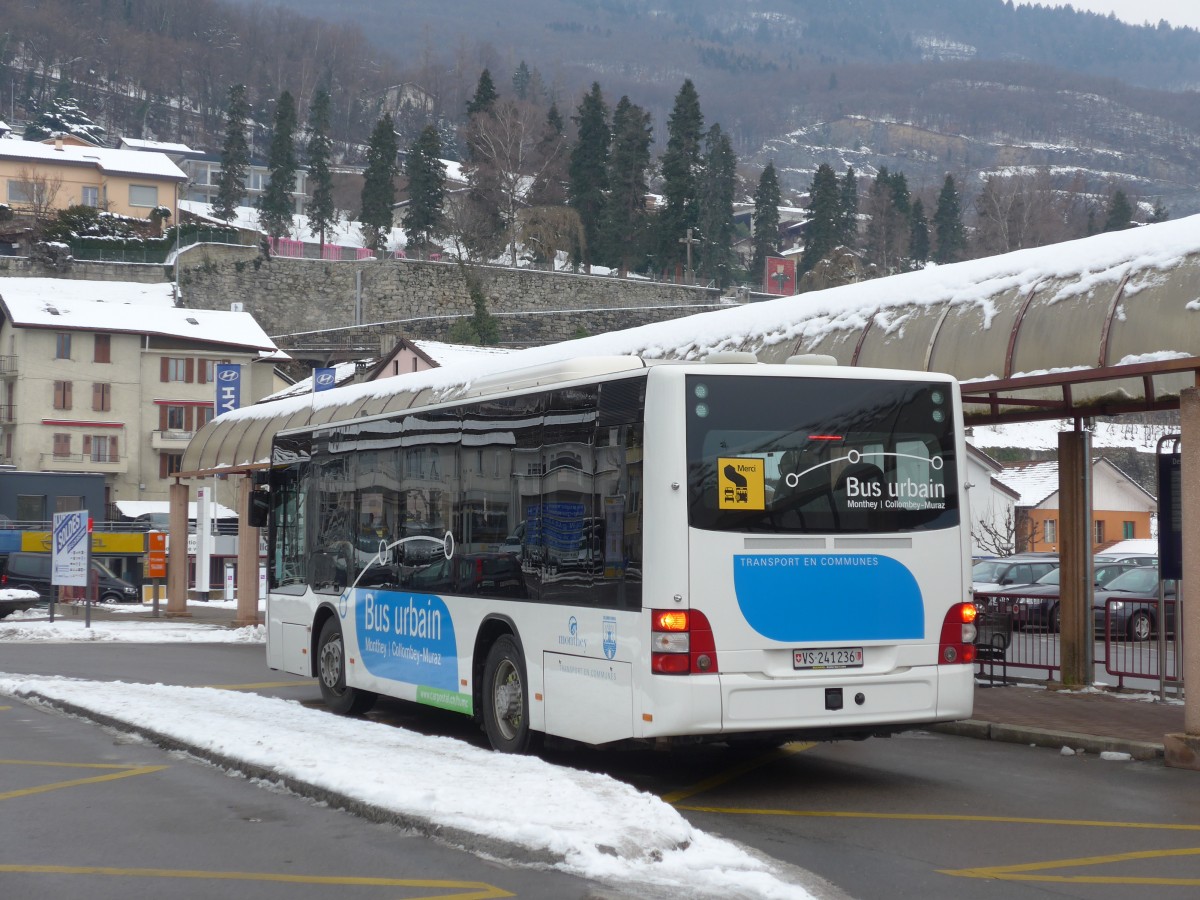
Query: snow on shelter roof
[
  {"x": 123, "y": 306},
  {"x": 1120, "y": 309}
]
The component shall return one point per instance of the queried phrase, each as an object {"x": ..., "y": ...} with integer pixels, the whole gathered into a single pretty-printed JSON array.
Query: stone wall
[
  {"x": 299, "y": 300},
  {"x": 25, "y": 267}
]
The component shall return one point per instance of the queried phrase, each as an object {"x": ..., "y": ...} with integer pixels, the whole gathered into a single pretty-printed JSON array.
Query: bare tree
[
  {"x": 549, "y": 230},
  {"x": 997, "y": 536},
  {"x": 38, "y": 193}
]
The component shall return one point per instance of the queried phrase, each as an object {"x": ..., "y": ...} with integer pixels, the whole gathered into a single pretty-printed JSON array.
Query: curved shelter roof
[{"x": 1099, "y": 326}]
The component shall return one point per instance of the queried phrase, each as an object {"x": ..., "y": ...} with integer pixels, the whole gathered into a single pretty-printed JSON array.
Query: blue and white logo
[
  {"x": 229, "y": 387},
  {"x": 324, "y": 379},
  {"x": 609, "y": 637}
]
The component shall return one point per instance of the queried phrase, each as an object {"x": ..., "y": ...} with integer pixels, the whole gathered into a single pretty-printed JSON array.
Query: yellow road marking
[
  {"x": 262, "y": 685},
  {"x": 938, "y": 817},
  {"x": 736, "y": 772},
  {"x": 1022, "y": 872},
  {"x": 472, "y": 890},
  {"x": 119, "y": 773}
]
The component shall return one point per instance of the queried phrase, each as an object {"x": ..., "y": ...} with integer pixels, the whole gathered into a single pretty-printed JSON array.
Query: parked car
[
  {"x": 1129, "y": 605},
  {"x": 1036, "y": 606},
  {"x": 1011, "y": 571},
  {"x": 1134, "y": 559},
  {"x": 31, "y": 572}
]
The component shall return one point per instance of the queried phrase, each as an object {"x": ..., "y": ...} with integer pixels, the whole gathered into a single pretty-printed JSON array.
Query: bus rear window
[{"x": 819, "y": 455}]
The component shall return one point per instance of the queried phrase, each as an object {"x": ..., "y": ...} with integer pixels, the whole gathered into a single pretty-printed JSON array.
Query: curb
[{"x": 1044, "y": 737}]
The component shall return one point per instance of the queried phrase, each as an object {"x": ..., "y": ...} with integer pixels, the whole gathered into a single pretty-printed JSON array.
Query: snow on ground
[
  {"x": 1044, "y": 435},
  {"x": 597, "y": 827}
]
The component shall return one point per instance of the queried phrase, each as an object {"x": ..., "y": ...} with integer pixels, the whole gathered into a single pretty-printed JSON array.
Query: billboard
[
  {"x": 779, "y": 276},
  {"x": 229, "y": 387}
]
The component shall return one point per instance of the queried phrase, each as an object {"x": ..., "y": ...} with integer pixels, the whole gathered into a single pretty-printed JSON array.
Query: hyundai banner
[
  {"x": 229, "y": 387},
  {"x": 323, "y": 379}
]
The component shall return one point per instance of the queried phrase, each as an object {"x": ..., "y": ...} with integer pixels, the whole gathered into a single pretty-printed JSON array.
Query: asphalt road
[{"x": 918, "y": 815}]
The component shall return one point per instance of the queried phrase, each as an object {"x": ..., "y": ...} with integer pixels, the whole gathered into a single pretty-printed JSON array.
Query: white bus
[{"x": 616, "y": 549}]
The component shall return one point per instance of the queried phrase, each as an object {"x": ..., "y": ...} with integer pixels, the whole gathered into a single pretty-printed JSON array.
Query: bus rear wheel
[
  {"x": 331, "y": 674},
  {"x": 506, "y": 699}
]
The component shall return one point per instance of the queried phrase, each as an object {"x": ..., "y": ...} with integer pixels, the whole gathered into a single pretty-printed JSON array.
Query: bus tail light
[
  {"x": 958, "y": 635},
  {"x": 681, "y": 643}
]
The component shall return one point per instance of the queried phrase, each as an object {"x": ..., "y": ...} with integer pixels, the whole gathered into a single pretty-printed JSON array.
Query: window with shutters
[
  {"x": 62, "y": 395},
  {"x": 100, "y": 448},
  {"x": 101, "y": 397},
  {"x": 103, "y": 350},
  {"x": 62, "y": 446},
  {"x": 169, "y": 464},
  {"x": 175, "y": 418},
  {"x": 62, "y": 345},
  {"x": 176, "y": 369}
]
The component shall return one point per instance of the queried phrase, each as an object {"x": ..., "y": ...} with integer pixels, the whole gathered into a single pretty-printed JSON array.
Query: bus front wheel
[
  {"x": 506, "y": 699},
  {"x": 331, "y": 674}
]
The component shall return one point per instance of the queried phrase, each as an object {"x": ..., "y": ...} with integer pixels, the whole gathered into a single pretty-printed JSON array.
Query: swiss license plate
[{"x": 828, "y": 658}]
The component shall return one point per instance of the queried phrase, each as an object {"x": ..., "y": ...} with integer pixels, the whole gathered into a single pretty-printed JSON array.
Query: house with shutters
[{"x": 112, "y": 377}]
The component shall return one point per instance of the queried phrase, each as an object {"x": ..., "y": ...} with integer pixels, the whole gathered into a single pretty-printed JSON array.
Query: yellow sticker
[{"x": 741, "y": 483}]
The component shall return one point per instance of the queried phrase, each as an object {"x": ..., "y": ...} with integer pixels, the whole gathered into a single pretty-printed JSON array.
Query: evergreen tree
[
  {"x": 426, "y": 175},
  {"x": 276, "y": 204},
  {"x": 680, "y": 164},
  {"x": 64, "y": 117},
  {"x": 521, "y": 79},
  {"x": 887, "y": 229},
  {"x": 918, "y": 229},
  {"x": 765, "y": 239},
  {"x": 321, "y": 212},
  {"x": 235, "y": 157},
  {"x": 948, "y": 225},
  {"x": 485, "y": 95},
  {"x": 848, "y": 233},
  {"x": 717, "y": 185},
  {"x": 1120, "y": 213},
  {"x": 823, "y": 229},
  {"x": 587, "y": 171},
  {"x": 379, "y": 189},
  {"x": 623, "y": 232},
  {"x": 550, "y": 184}
]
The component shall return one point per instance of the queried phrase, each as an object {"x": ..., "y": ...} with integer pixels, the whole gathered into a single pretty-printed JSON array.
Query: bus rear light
[
  {"x": 958, "y": 635},
  {"x": 682, "y": 643}
]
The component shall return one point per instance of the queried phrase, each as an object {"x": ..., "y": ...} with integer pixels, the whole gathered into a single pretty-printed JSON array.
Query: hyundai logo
[
  {"x": 229, "y": 375},
  {"x": 325, "y": 378}
]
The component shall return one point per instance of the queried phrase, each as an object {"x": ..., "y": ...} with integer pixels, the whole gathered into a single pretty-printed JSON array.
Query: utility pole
[{"x": 689, "y": 240}]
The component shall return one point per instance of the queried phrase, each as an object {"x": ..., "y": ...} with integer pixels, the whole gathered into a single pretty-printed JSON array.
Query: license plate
[{"x": 828, "y": 658}]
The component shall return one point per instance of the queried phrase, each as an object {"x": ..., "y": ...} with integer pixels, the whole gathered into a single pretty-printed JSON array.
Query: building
[
  {"x": 40, "y": 177},
  {"x": 112, "y": 377},
  {"x": 1121, "y": 508},
  {"x": 992, "y": 504}
]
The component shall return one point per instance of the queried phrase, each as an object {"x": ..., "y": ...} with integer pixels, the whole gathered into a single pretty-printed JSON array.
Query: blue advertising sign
[
  {"x": 229, "y": 387},
  {"x": 70, "y": 544},
  {"x": 324, "y": 379}
]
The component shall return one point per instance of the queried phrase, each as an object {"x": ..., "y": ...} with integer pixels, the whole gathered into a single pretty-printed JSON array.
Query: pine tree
[
  {"x": 948, "y": 225},
  {"x": 918, "y": 229},
  {"x": 680, "y": 163},
  {"x": 1120, "y": 213},
  {"x": 321, "y": 212},
  {"x": 235, "y": 157},
  {"x": 379, "y": 189},
  {"x": 717, "y": 185},
  {"x": 426, "y": 175},
  {"x": 765, "y": 238},
  {"x": 521, "y": 79},
  {"x": 887, "y": 229},
  {"x": 485, "y": 95},
  {"x": 64, "y": 117},
  {"x": 623, "y": 232},
  {"x": 823, "y": 230},
  {"x": 587, "y": 171},
  {"x": 276, "y": 205},
  {"x": 848, "y": 233}
]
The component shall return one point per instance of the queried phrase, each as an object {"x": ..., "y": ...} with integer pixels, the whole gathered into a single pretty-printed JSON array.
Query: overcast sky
[{"x": 1177, "y": 12}]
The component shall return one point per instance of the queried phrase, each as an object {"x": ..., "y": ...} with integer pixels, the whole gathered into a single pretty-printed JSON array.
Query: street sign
[
  {"x": 69, "y": 548},
  {"x": 1170, "y": 516}
]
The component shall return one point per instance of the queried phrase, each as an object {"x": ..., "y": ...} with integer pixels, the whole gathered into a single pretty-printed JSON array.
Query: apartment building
[{"x": 112, "y": 377}]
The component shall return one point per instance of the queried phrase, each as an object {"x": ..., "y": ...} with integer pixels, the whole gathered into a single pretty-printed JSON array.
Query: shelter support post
[
  {"x": 247, "y": 557},
  {"x": 1183, "y": 750},
  {"x": 1075, "y": 512},
  {"x": 177, "y": 556}
]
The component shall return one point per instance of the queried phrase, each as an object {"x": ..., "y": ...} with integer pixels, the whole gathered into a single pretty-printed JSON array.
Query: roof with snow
[
  {"x": 124, "y": 307},
  {"x": 1036, "y": 482},
  {"x": 112, "y": 162},
  {"x": 1098, "y": 326}
]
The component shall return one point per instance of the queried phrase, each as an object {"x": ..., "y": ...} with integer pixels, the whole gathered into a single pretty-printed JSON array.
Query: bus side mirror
[{"x": 259, "y": 511}]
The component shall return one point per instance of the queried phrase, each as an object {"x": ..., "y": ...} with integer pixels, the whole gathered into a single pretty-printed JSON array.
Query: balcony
[
  {"x": 8, "y": 413},
  {"x": 77, "y": 462},
  {"x": 171, "y": 440},
  {"x": 8, "y": 366}
]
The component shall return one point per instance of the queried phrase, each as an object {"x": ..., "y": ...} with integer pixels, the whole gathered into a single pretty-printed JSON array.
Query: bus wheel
[
  {"x": 505, "y": 700},
  {"x": 331, "y": 673}
]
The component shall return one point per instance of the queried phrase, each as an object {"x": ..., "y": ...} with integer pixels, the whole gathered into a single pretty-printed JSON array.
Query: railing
[
  {"x": 8, "y": 413},
  {"x": 1125, "y": 652},
  {"x": 8, "y": 365}
]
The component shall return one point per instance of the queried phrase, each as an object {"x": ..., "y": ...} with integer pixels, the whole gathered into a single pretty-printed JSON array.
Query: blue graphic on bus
[
  {"x": 406, "y": 637},
  {"x": 828, "y": 597}
]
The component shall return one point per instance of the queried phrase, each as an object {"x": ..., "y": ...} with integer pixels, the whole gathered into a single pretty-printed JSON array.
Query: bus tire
[
  {"x": 506, "y": 699},
  {"x": 331, "y": 674}
]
